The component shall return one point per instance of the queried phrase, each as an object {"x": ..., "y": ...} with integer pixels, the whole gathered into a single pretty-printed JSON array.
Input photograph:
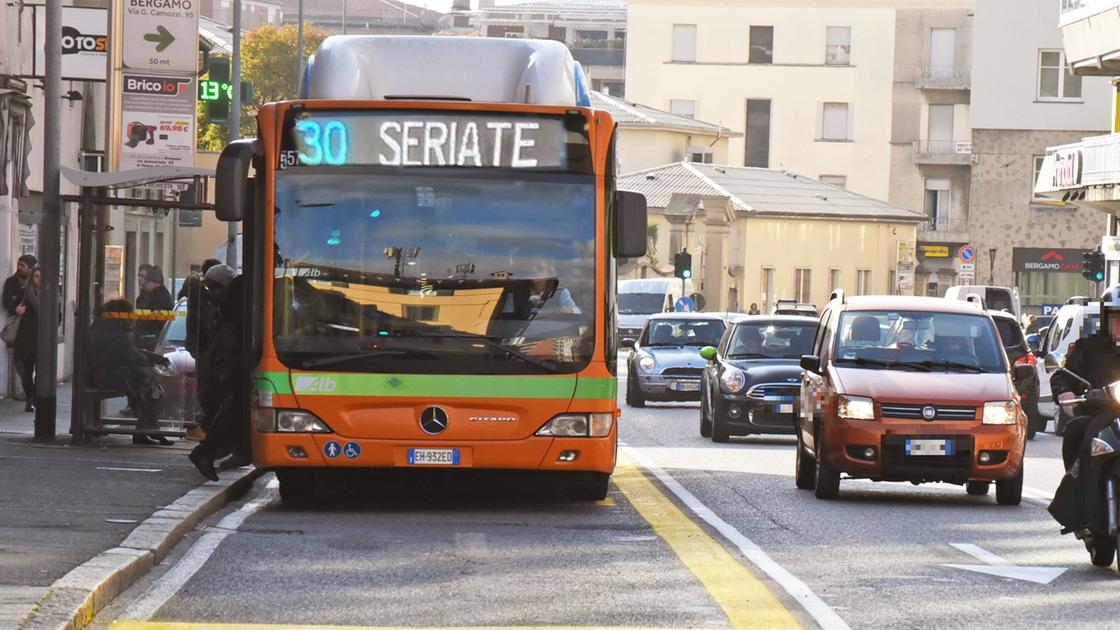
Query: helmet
[
  {"x": 1110, "y": 307},
  {"x": 220, "y": 275}
]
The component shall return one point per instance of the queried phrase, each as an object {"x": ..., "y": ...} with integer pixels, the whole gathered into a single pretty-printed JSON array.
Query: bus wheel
[
  {"x": 296, "y": 486},
  {"x": 593, "y": 487}
]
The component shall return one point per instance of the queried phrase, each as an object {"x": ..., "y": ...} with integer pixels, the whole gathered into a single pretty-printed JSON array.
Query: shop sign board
[
  {"x": 85, "y": 43},
  {"x": 934, "y": 251},
  {"x": 1110, "y": 246},
  {"x": 157, "y": 121},
  {"x": 1046, "y": 260}
]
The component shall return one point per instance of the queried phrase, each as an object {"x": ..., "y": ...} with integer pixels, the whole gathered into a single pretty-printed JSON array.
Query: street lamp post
[{"x": 234, "y": 121}]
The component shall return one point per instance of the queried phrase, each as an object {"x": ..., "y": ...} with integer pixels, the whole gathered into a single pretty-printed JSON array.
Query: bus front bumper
[{"x": 326, "y": 450}]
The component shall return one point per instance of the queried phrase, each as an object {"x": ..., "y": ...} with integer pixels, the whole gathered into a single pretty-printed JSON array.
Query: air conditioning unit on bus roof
[{"x": 478, "y": 69}]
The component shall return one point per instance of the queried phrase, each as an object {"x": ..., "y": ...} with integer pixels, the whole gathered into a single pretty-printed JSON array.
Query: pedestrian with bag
[
  {"x": 13, "y": 295},
  {"x": 26, "y": 346}
]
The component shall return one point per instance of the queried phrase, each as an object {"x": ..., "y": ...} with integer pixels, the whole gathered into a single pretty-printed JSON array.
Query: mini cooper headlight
[
  {"x": 733, "y": 380},
  {"x": 646, "y": 362}
]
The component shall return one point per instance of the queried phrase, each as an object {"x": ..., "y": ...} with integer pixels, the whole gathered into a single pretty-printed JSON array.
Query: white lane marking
[
  {"x": 144, "y": 470},
  {"x": 997, "y": 566},
  {"x": 801, "y": 593},
  {"x": 171, "y": 582}
]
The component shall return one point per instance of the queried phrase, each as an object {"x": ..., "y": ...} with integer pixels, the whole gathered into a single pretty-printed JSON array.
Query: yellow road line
[
  {"x": 175, "y": 625},
  {"x": 743, "y": 597}
]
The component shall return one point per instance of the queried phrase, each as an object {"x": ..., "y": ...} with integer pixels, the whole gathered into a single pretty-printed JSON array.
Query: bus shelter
[{"x": 143, "y": 236}]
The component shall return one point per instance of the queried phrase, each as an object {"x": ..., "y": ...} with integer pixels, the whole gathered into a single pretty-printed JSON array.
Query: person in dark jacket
[
  {"x": 26, "y": 346},
  {"x": 13, "y": 286},
  {"x": 1096, "y": 359},
  {"x": 228, "y": 432},
  {"x": 118, "y": 365},
  {"x": 156, "y": 298}
]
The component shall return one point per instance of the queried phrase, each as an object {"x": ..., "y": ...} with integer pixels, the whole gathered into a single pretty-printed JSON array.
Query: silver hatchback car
[{"x": 665, "y": 364}]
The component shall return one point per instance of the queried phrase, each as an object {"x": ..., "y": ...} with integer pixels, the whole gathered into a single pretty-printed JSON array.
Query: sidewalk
[{"x": 64, "y": 504}]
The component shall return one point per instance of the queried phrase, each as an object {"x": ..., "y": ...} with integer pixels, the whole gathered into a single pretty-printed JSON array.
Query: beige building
[
  {"x": 871, "y": 95},
  {"x": 650, "y": 137},
  {"x": 759, "y": 235}
]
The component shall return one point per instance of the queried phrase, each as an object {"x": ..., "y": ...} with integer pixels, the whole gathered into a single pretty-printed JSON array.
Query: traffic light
[
  {"x": 1092, "y": 265},
  {"x": 682, "y": 265}
]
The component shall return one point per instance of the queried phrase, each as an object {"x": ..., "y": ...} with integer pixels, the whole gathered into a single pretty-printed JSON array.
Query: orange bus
[{"x": 429, "y": 244}]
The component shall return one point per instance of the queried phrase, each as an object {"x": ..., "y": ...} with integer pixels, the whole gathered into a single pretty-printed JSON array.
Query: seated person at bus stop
[{"x": 117, "y": 365}]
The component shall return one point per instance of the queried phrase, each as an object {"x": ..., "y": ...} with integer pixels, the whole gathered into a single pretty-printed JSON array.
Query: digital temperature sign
[{"x": 434, "y": 139}]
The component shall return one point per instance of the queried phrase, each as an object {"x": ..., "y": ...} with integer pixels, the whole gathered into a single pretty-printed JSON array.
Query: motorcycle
[{"x": 1087, "y": 502}]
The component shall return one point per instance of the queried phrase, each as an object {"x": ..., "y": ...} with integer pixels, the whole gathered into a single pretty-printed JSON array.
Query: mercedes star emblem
[{"x": 433, "y": 420}]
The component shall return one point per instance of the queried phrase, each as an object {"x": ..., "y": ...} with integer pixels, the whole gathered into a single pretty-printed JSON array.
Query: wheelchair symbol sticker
[
  {"x": 332, "y": 449},
  {"x": 352, "y": 450}
]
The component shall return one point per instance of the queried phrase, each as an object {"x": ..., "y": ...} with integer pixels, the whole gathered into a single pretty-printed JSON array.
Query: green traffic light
[
  {"x": 1098, "y": 276},
  {"x": 686, "y": 274}
]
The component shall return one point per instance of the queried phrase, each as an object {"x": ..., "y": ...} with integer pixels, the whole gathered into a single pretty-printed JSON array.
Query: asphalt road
[{"x": 510, "y": 552}]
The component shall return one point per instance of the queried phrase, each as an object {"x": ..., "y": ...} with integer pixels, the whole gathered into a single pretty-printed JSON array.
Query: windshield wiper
[
  {"x": 343, "y": 358},
  {"x": 930, "y": 364},
  {"x": 868, "y": 361},
  {"x": 747, "y": 355},
  {"x": 491, "y": 343}
]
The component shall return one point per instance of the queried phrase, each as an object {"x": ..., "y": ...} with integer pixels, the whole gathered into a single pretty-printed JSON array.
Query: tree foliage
[{"x": 268, "y": 61}]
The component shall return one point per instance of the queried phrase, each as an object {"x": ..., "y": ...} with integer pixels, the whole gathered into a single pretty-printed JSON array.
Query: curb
[{"x": 75, "y": 599}]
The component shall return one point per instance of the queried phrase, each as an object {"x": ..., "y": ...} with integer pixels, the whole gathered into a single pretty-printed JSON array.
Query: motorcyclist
[{"x": 1096, "y": 359}]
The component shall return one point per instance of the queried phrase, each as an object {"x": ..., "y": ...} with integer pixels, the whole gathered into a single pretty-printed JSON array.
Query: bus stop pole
[
  {"x": 46, "y": 361},
  {"x": 235, "y": 121},
  {"x": 86, "y": 218}
]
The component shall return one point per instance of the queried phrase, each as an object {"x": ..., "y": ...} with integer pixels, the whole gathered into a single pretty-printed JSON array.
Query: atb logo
[{"x": 316, "y": 384}]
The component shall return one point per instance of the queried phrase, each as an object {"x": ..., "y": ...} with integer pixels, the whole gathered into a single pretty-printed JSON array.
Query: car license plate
[
  {"x": 929, "y": 447},
  {"x": 785, "y": 408},
  {"x": 685, "y": 386},
  {"x": 433, "y": 456}
]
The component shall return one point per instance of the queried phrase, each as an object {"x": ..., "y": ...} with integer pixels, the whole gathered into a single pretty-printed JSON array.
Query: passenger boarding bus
[{"x": 430, "y": 236}]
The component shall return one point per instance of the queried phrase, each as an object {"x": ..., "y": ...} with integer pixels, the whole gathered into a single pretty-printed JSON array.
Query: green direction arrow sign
[{"x": 162, "y": 38}]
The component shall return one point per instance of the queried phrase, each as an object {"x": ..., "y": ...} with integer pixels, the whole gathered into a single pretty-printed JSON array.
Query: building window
[
  {"x": 863, "y": 282},
  {"x": 838, "y": 49},
  {"x": 834, "y": 121},
  {"x": 803, "y": 285},
  {"x": 612, "y": 88},
  {"x": 938, "y": 196},
  {"x": 598, "y": 36},
  {"x": 684, "y": 42},
  {"x": 758, "y": 133},
  {"x": 835, "y": 180},
  {"x": 1056, "y": 82},
  {"x": 762, "y": 44},
  {"x": 833, "y": 279},
  {"x": 700, "y": 155},
  {"x": 767, "y": 287},
  {"x": 682, "y": 107},
  {"x": 418, "y": 313}
]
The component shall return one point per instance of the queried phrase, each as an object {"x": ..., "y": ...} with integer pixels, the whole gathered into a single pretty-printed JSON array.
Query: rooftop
[
  {"x": 562, "y": 6},
  {"x": 634, "y": 115},
  {"x": 761, "y": 192}
]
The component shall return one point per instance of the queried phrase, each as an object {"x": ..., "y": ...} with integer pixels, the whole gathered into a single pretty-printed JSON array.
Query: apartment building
[
  {"x": 1025, "y": 99},
  {"x": 594, "y": 30}
]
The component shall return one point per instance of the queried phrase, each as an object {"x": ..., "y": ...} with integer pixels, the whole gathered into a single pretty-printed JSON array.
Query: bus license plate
[
  {"x": 433, "y": 456},
  {"x": 929, "y": 447}
]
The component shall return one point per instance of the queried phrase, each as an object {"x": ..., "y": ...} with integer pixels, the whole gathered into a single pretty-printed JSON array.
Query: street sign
[
  {"x": 1050, "y": 309},
  {"x": 85, "y": 43},
  {"x": 161, "y": 35},
  {"x": 967, "y": 267},
  {"x": 157, "y": 121},
  {"x": 967, "y": 254},
  {"x": 684, "y": 305}
]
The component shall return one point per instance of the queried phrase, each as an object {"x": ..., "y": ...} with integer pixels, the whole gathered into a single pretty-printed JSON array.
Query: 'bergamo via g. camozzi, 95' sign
[{"x": 161, "y": 35}]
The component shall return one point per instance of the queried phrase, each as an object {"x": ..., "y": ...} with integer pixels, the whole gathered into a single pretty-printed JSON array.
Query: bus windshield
[{"x": 434, "y": 270}]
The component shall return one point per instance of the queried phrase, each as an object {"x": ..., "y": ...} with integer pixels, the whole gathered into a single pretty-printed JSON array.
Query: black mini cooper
[{"x": 752, "y": 381}]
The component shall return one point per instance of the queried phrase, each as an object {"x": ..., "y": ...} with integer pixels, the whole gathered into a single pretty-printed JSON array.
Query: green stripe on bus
[{"x": 445, "y": 385}]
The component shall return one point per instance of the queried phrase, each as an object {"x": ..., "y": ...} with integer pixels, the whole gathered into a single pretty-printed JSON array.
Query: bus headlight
[
  {"x": 1002, "y": 412},
  {"x": 578, "y": 425},
  {"x": 288, "y": 421}
]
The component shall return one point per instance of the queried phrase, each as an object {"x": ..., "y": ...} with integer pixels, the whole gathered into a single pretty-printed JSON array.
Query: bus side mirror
[
  {"x": 233, "y": 192},
  {"x": 630, "y": 224}
]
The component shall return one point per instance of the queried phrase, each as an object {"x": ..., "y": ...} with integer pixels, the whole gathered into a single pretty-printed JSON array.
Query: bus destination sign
[{"x": 404, "y": 139}]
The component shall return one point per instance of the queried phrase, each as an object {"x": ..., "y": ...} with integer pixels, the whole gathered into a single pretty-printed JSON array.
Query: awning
[{"x": 133, "y": 177}]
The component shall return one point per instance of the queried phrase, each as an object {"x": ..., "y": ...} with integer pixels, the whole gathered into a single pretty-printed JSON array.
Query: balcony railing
[
  {"x": 944, "y": 77},
  {"x": 947, "y": 152},
  {"x": 944, "y": 231}
]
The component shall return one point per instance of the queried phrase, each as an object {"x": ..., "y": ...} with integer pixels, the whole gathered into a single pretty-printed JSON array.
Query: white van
[
  {"x": 994, "y": 298},
  {"x": 1072, "y": 322},
  {"x": 638, "y": 299}
]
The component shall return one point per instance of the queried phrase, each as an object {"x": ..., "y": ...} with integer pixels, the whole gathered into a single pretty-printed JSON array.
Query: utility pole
[
  {"x": 46, "y": 360},
  {"x": 299, "y": 45},
  {"x": 235, "y": 119}
]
